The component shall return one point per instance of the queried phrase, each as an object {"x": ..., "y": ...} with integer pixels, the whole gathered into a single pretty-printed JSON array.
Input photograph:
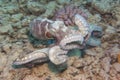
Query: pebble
[
  {"x": 106, "y": 64},
  {"x": 23, "y": 31},
  {"x": 78, "y": 63},
  {"x": 117, "y": 66},
  {"x": 2, "y": 37},
  {"x": 32, "y": 77},
  {"x": 3, "y": 61},
  {"x": 71, "y": 60},
  {"x": 6, "y": 48},
  {"x": 6, "y": 29},
  {"x": 16, "y": 17},
  {"x": 118, "y": 58},
  {"x": 11, "y": 9},
  {"x": 35, "y": 7},
  {"x": 90, "y": 52},
  {"x": 17, "y": 25},
  {"x": 63, "y": 2},
  {"x": 110, "y": 30},
  {"x": 50, "y": 9},
  {"x": 102, "y": 6},
  {"x": 72, "y": 70}
]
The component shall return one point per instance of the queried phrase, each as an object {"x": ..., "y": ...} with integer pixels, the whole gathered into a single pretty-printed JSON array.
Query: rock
[
  {"x": 6, "y": 29},
  {"x": 26, "y": 20},
  {"x": 116, "y": 12},
  {"x": 104, "y": 45},
  {"x": 16, "y": 17},
  {"x": 32, "y": 77},
  {"x": 110, "y": 34},
  {"x": 3, "y": 61},
  {"x": 23, "y": 31},
  {"x": 50, "y": 9},
  {"x": 72, "y": 71},
  {"x": 80, "y": 77},
  {"x": 6, "y": 48},
  {"x": 24, "y": 36},
  {"x": 79, "y": 2},
  {"x": 98, "y": 17},
  {"x": 5, "y": 19},
  {"x": 90, "y": 52},
  {"x": 71, "y": 60},
  {"x": 20, "y": 74},
  {"x": 44, "y": 1},
  {"x": 63, "y": 2},
  {"x": 17, "y": 25},
  {"x": 103, "y": 6},
  {"x": 1, "y": 2},
  {"x": 35, "y": 7},
  {"x": 11, "y": 9},
  {"x": 113, "y": 72},
  {"x": 2, "y": 37},
  {"x": 106, "y": 64},
  {"x": 118, "y": 77},
  {"x": 78, "y": 63},
  {"x": 117, "y": 66},
  {"x": 115, "y": 50},
  {"x": 118, "y": 57},
  {"x": 104, "y": 75},
  {"x": 110, "y": 30}
]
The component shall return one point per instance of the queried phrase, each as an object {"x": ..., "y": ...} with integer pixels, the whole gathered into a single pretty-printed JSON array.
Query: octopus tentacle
[
  {"x": 82, "y": 24},
  {"x": 95, "y": 30},
  {"x": 57, "y": 55},
  {"x": 64, "y": 43},
  {"x": 35, "y": 55}
]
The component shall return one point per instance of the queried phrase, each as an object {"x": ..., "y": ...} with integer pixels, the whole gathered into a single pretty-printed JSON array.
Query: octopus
[
  {"x": 67, "y": 38},
  {"x": 67, "y": 13}
]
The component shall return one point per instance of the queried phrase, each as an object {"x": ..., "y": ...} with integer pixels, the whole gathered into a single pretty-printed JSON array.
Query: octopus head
[{"x": 57, "y": 26}]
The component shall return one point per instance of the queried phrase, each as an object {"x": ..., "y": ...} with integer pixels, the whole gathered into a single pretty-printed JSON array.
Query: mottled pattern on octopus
[
  {"x": 57, "y": 52},
  {"x": 67, "y": 13},
  {"x": 66, "y": 37}
]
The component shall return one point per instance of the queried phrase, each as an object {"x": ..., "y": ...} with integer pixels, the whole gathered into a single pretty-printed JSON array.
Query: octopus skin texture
[
  {"x": 67, "y": 38},
  {"x": 67, "y": 13},
  {"x": 58, "y": 51}
]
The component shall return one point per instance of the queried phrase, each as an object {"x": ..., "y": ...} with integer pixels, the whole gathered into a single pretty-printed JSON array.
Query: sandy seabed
[{"x": 99, "y": 63}]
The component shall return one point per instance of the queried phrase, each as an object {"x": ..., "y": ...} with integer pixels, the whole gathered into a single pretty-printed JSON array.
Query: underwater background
[{"x": 99, "y": 63}]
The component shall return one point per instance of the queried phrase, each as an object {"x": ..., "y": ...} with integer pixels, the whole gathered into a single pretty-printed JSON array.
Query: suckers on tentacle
[
  {"x": 64, "y": 43},
  {"x": 35, "y": 55},
  {"x": 82, "y": 24},
  {"x": 57, "y": 55}
]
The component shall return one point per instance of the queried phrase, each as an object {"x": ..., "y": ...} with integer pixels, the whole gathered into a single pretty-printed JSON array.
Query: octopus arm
[{"x": 35, "y": 55}]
